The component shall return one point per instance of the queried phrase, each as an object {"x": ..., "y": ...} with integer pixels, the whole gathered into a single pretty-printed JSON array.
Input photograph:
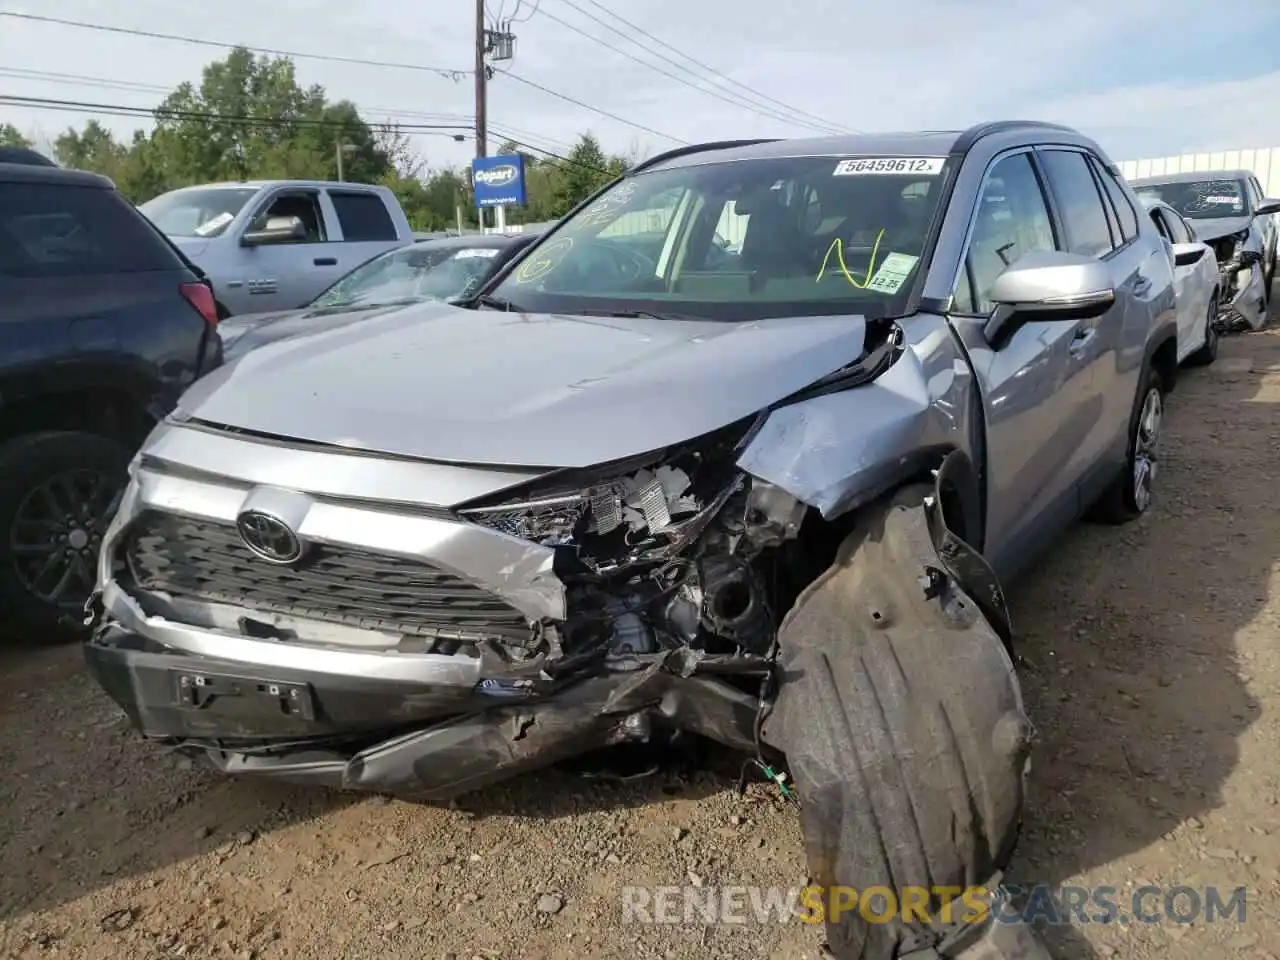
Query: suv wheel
[
  {"x": 1209, "y": 351},
  {"x": 1131, "y": 494},
  {"x": 58, "y": 491}
]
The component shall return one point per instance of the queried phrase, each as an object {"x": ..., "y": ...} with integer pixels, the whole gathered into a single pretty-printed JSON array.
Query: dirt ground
[{"x": 1152, "y": 677}]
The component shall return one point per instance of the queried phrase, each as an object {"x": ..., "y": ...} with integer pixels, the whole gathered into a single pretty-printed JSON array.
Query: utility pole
[{"x": 482, "y": 47}]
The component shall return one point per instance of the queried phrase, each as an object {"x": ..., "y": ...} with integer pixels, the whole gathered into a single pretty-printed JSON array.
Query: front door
[
  {"x": 1037, "y": 390},
  {"x": 286, "y": 274}
]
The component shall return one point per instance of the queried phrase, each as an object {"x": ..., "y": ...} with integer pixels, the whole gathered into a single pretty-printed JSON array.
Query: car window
[
  {"x": 1126, "y": 216},
  {"x": 49, "y": 230},
  {"x": 303, "y": 204},
  {"x": 1079, "y": 203},
  {"x": 1201, "y": 199},
  {"x": 1180, "y": 229},
  {"x": 423, "y": 271},
  {"x": 1162, "y": 225},
  {"x": 767, "y": 237},
  {"x": 1012, "y": 219},
  {"x": 363, "y": 216},
  {"x": 197, "y": 211}
]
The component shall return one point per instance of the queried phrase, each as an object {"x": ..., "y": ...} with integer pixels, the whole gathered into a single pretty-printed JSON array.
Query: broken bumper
[
  {"x": 1243, "y": 299},
  {"x": 374, "y": 734}
]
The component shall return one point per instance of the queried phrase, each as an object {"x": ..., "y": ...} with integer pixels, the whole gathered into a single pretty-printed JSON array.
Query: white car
[{"x": 1195, "y": 282}]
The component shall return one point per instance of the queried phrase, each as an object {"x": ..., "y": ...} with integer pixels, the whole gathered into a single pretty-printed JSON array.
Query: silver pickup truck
[{"x": 275, "y": 245}]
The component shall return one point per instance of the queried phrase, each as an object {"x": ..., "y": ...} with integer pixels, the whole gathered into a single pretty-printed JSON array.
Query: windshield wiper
[
  {"x": 492, "y": 302},
  {"x": 638, "y": 315}
]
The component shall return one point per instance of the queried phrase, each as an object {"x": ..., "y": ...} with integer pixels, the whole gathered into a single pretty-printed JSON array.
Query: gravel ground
[{"x": 1152, "y": 677}]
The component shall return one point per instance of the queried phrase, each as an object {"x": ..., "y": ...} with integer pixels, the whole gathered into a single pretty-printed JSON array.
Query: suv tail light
[{"x": 201, "y": 297}]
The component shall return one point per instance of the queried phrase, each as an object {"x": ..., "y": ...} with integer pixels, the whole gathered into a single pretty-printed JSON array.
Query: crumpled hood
[
  {"x": 1212, "y": 229},
  {"x": 438, "y": 382}
]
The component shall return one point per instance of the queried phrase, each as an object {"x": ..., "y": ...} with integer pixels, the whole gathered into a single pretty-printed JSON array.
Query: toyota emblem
[{"x": 268, "y": 537}]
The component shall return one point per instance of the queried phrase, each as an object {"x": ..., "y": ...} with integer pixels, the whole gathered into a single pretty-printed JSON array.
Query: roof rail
[
  {"x": 698, "y": 148},
  {"x": 990, "y": 127}
]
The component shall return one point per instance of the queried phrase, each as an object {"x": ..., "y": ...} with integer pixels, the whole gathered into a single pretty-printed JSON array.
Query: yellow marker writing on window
[{"x": 837, "y": 248}]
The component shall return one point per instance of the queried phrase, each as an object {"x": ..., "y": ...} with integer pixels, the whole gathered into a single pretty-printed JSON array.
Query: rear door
[
  {"x": 364, "y": 224},
  {"x": 1101, "y": 221},
  {"x": 83, "y": 276}
]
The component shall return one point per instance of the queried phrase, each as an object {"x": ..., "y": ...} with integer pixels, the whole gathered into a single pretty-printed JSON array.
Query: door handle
[
  {"x": 1082, "y": 338},
  {"x": 1141, "y": 286},
  {"x": 325, "y": 261}
]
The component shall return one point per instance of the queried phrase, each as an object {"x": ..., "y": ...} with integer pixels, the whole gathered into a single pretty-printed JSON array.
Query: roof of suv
[
  {"x": 34, "y": 173},
  {"x": 931, "y": 143}
]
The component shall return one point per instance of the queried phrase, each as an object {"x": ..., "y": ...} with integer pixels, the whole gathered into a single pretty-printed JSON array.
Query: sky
[{"x": 1145, "y": 78}]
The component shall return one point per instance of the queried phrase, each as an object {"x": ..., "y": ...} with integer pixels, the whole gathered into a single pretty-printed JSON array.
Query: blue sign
[{"x": 498, "y": 181}]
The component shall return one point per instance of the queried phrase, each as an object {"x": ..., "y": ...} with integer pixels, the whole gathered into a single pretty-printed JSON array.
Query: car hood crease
[{"x": 438, "y": 382}]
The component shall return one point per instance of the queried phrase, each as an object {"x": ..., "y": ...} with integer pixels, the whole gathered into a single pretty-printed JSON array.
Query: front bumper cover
[{"x": 375, "y": 734}]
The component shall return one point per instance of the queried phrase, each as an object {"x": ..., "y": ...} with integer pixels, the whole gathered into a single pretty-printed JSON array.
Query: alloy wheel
[
  {"x": 1146, "y": 440},
  {"x": 57, "y": 532}
]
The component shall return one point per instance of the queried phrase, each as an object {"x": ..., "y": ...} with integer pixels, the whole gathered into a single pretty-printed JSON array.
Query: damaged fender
[
  {"x": 903, "y": 727},
  {"x": 1246, "y": 295}
]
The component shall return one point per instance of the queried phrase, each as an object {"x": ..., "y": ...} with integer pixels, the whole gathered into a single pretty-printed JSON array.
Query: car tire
[
  {"x": 1209, "y": 351},
  {"x": 1131, "y": 493},
  {"x": 58, "y": 491}
]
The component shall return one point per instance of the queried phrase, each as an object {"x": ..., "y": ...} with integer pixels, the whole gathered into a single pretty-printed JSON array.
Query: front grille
[
  {"x": 1223, "y": 248},
  {"x": 204, "y": 560}
]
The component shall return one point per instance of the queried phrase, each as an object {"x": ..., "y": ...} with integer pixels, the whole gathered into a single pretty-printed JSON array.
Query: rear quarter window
[
  {"x": 56, "y": 230},
  {"x": 362, "y": 216}
]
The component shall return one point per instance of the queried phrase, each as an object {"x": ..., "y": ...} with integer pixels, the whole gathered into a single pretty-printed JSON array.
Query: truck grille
[{"x": 204, "y": 560}]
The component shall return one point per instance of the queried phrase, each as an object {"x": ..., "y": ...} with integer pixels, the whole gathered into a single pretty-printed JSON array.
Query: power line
[
  {"x": 515, "y": 14},
  {"x": 586, "y": 106},
  {"x": 200, "y": 41},
  {"x": 81, "y": 80},
  {"x": 709, "y": 69},
  {"x": 127, "y": 110},
  {"x": 297, "y": 55},
  {"x": 733, "y": 99}
]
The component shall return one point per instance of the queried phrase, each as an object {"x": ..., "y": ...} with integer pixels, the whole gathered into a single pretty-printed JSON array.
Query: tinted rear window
[
  {"x": 55, "y": 230},
  {"x": 363, "y": 216}
]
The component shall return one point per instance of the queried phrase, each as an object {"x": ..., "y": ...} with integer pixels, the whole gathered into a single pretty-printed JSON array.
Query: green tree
[{"x": 10, "y": 137}]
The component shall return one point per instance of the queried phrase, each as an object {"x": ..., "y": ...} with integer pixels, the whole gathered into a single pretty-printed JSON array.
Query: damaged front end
[
  {"x": 1242, "y": 294},
  {"x": 578, "y": 610}
]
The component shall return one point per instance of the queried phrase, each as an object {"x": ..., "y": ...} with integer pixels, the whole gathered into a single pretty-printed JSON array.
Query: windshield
[
  {"x": 200, "y": 213},
  {"x": 420, "y": 272},
  {"x": 1200, "y": 199},
  {"x": 746, "y": 240}
]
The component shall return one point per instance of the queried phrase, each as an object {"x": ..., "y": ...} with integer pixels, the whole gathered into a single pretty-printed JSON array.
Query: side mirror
[
  {"x": 1047, "y": 285},
  {"x": 1266, "y": 207},
  {"x": 1185, "y": 254},
  {"x": 275, "y": 230}
]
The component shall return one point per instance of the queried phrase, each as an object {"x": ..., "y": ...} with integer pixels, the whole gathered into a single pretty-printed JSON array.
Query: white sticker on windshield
[
  {"x": 471, "y": 253},
  {"x": 893, "y": 273},
  {"x": 1231, "y": 200},
  {"x": 868, "y": 166},
  {"x": 221, "y": 220}
]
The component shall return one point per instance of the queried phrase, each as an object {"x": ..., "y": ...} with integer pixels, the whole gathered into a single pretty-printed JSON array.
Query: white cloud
[{"x": 874, "y": 64}]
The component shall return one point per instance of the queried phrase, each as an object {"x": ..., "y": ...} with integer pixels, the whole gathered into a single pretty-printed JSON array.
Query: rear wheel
[
  {"x": 1209, "y": 351},
  {"x": 1132, "y": 492},
  {"x": 57, "y": 494},
  {"x": 903, "y": 727}
]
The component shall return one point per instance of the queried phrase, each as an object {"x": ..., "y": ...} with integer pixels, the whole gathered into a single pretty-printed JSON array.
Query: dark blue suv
[{"x": 103, "y": 323}]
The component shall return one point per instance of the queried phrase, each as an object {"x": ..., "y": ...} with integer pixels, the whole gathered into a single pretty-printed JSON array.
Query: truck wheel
[
  {"x": 902, "y": 722},
  {"x": 58, "y": 491},
  {"x": 1131, "y": 493}
]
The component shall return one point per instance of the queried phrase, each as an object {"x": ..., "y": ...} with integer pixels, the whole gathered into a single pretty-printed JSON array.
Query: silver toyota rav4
[{"x": 742, "y": 448}]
